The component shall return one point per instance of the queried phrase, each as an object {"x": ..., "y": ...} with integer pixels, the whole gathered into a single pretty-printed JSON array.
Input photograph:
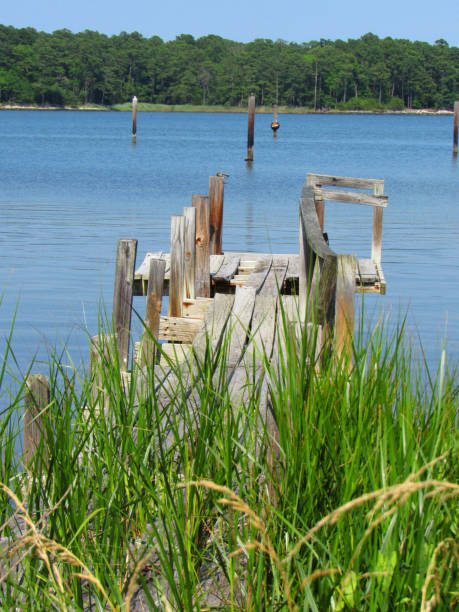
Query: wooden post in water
[
  {"x": 275, "y": 122},
  {"x": 134, "y": 119},
  {"x": 251, "y": 126},
  {"x": 344, "y": 308},
  {"x": 376, "y": 243},
  {"x": 35, "y": 402},
  {"x": 202, "y": 205},
  {"x": 216, "y": 192},
  {"x": 456, "y": 122},
  {"x": 122, "y": 297},
  {"x": 153, "y": 311},
  {"x": 189, "y": 212},
  {"x": 177, "y": 281}
]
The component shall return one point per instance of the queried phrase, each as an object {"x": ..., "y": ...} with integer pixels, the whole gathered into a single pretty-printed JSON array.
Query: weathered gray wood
[
  {"x": 202, "y": 278},
  {"x": 366, "y": 271},
  {"x": 275, "y": 279},
  {"x": 147, "y": 353},
  {"x": 344, "y": 309},
  {"x": 228, "y": 269},
  {"x": 36, "y": 401},
  {"x": 177, "y": 281},
  {"x": 342, "y": 181},
  {"x": 327, "y": 293},
  {"x": 122, "y": 297},
  {"x": 189, "y": 212},
  {"x": 312, "y": 246},
  {"x": 216, "y": 193},
  {"x": 144, "y": 269},
  {"x": 352, "y": 197},
  {"x": 134, "y": 119},
  {"x": 239, "y": 323},
  {"x": 178, "y": 329},
  {"x": 376, "y": 243},
  {"x": 250, "y": 128},
  {"x": 263, "y": 327},
  {"x": 216, "y": 262},
  {"x": 259, "y": 274},
  {"x": 293, "y": 267},
  {"x": 214, "y": 323},
  {"x": 197, "y": 308}
]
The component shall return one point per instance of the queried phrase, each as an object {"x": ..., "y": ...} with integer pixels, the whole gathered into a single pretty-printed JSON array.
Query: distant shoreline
[{"x": 282, "y": 110}]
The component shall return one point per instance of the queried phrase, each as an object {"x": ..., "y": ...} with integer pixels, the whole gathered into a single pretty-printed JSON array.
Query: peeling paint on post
[{"x": 251, "y": 126}]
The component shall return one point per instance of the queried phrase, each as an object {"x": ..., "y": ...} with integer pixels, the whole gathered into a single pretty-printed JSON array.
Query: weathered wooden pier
[{"x": 250, "y": 295}]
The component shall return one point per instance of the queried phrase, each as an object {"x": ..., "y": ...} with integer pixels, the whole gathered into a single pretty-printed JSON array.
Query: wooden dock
[{"x": 255, "y": 297}]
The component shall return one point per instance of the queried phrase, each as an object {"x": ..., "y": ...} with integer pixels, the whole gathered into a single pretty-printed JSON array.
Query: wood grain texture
[
  {"x": 228, "y": 269},
  {"x": 36, "y": 401},
  {"x": 376, "y": 243},
  {"x": 344, "y": 309},
  {"x": 178, "y": 329},
  {"x": 122, "y": 297},
  {"x": 216, "y": 195},
  {"x": 239, "y": 323},
  {"x": 259, "y": 274},
  {"x": 275, "y": 279},
  {"x": 202, "y": 278},
  {"x": 197, "y": 308},
  {"x": 342, "y": 181},
  {"x": 189, "y": 213},
  {"x": 147, "y": 350},
  {"x": 177, "y": 275},
  {"x": 352, "y": 197}
]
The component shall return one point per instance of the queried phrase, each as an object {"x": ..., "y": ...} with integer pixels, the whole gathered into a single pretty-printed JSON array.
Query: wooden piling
[
  {"x": 376, "y": 243},
  {"x": 251, "y": 126},
  {"x": 202, "y": 280},
  {"x": 177, "y": 281},
  {"x": 189, "y": 212},
  {"x": 216, "y": 192},
  {"x": 456, "y": 122},
  {"x": 344, "y": 307},
  {"x": 35, "y": 402},
  {"x": 275, "y": 122},
  {"x": 122, "y": 297},
  {"x": 134, "y": 119},
  {"x": 153, "y": 312}
]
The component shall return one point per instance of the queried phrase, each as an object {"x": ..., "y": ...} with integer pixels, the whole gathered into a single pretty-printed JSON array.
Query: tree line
[{"x": 64, "y": 68}]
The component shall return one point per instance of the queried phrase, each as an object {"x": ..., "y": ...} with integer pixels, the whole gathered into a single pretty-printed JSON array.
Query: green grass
[{"x": 354, "y": 505}]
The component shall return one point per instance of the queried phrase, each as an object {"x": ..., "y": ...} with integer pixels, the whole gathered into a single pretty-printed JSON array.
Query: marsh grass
[{"x": 179, "y": 499}]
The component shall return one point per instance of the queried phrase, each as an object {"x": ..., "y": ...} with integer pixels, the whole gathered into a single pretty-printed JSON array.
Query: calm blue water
[{"x": 72, "y": 184}]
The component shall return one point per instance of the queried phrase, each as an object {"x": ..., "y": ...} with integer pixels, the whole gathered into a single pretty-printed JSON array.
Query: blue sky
[{"x": 244, "y": 20}]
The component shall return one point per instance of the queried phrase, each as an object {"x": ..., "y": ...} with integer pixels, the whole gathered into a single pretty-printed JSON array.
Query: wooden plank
[
  {"x": 177, "y": 353},
  {"x": 239, "y": 323},
  {"x": 197, "y": 308},
  {"x": 36, "y": 401},
  {"x": 122, "y": 297},
  {"x": 189, "y": 213},
  {"x": 144, "y": 268},
  {"x": 214, "y": 323},
  {"x": 215, "y": 263},
  {"x": 147, "y": 350},
  {"x": 228, "y": 269},
  {"x": 293, "y": 267},
  {"x": 178, "y": 329},
  {"x": 275, "y": 279},
  {"x": 177, "y": 283},
  {"x": 366, "y": 271},
  {"x": 263, "y": 328},
  {"x": 376, "y": 243},
  {"x": 202, "y": 279},
  {"x": 353, "y": 197},
  {"x": 344, "y": 309},
  {"x": 216, "y": 193},
  {"x": 259, "y": 274},
  {"x": 382, "y": 280},
  {"x": 342, "y": 181}
]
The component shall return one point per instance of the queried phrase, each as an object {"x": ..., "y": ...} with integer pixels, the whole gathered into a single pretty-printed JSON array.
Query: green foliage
[
  {"x": 353, "y": 505},
  {"x": 63, "y": 68}
]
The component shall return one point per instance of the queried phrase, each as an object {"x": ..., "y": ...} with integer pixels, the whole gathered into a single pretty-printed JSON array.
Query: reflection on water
[{"x": 67, "y": 197}]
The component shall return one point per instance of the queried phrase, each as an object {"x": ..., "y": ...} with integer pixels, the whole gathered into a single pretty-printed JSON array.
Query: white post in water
[{"x": 134, "y": 118}]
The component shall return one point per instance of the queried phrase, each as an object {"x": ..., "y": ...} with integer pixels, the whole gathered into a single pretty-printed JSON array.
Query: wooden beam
[
  {"x": 342, "y": 181},
  {"x": 250, "y": 128},
  {"x": 189, "y": 212},
  {"x": 352, "y": 197},
  {"x": 344, "y": 308},
  {"x": 122, "y": 297},
  {"x": 202, "y": 280},
  {"x": 147, "y": 351},
  {"x": 35, "y": 402},
  {"x": 177, "y": 282},
  {"x": 216, "y": 192},
  {"x": 376, "y": 243},
  {"x": 455, "y": 129},
  {"x": 178, "y": 329}
]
